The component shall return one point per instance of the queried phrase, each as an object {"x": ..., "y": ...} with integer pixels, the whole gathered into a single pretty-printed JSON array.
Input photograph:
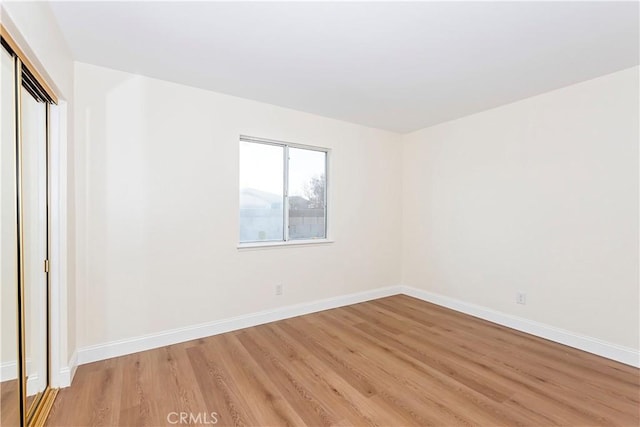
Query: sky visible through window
[{"x": 262, "y": 168}]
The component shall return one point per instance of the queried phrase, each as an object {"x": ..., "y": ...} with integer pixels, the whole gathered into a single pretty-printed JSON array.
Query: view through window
[{"x": 282, "y": 191}]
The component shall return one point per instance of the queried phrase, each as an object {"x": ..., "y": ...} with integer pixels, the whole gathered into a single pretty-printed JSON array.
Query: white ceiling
[{"x": 395, "y": 66}]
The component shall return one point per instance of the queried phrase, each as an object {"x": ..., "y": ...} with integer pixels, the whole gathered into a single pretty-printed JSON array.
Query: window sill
[{"x": 273, "y": 245}]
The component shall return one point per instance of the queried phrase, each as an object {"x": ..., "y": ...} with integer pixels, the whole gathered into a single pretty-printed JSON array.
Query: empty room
[{"x": 260, "y": 213}]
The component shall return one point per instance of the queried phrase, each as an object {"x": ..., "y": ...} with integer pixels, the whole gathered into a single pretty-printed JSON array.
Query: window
[{"x": 283, "y": 191}]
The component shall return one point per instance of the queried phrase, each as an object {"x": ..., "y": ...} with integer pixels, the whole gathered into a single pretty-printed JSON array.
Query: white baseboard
[
  {"x": 602, "y": 348},
  {"x": 8, "y": 371},
  {"x": 147, "y": 342},
  {"x": 174, "y": 336},
  {"x": 33, "y": 384},
  {"x": 68, "y": 372}
]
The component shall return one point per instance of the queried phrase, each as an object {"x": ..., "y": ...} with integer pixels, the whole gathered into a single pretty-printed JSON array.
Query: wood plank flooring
[
  {"x": 9, "y": 403},
  {"x": 395, "y": 361}
]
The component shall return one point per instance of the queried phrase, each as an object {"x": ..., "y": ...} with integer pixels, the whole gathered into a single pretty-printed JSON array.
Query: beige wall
[
  {"x": 157, "y": 208},
  {"x": 539, "y": 196}
]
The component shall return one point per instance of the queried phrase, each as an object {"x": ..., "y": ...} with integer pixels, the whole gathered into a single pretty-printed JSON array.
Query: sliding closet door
[
  {"x": 9, "y": 360},
  {"x": 34, "y": 237},
  {"x": 26, "y": 396}
]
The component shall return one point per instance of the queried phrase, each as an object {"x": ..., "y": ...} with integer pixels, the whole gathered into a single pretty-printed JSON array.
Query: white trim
[
  {"x": 147, "y": 342},
  {"x": 257, "y": 140},
  {"x": 8, "y": 371},
  {"x": 626, "y": 355},
  {"x": 173, "y": 336},
  {"x": 58, "y": 315},
  {"x": 282, "y": 243},
  {"x": 35, "y": 384},
  {"x": 66, "y": 374}
]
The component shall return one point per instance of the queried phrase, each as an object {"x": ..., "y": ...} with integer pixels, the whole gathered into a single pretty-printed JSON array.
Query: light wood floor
[
  {"x": 9, "y": 403},
  {"x": 393, "y": 361}
]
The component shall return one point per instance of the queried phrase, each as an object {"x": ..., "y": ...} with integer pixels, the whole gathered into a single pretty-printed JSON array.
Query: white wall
[
  {"x": 157, "y": 208},
  {"x": 540, "y": 196}
]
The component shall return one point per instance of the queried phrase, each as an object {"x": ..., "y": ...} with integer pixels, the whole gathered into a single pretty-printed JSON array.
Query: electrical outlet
[
  {"x": 521, "y": 298},
  {"x": 278, "y": 289}
]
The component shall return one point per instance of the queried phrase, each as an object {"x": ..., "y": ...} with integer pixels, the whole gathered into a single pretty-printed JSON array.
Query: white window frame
[{"x": 286, "y": 240}]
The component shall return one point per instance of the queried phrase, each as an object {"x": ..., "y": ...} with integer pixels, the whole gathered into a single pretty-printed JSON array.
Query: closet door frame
[{"x": 37, "y": 412}]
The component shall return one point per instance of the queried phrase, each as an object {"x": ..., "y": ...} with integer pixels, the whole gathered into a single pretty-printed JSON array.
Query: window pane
[
  {"x": 307, "y": 185},
  {"x": 261, "y": 192}
]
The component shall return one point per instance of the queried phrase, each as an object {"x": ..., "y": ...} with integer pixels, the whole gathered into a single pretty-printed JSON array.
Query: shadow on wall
[{"x": 116, "y": 179}]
